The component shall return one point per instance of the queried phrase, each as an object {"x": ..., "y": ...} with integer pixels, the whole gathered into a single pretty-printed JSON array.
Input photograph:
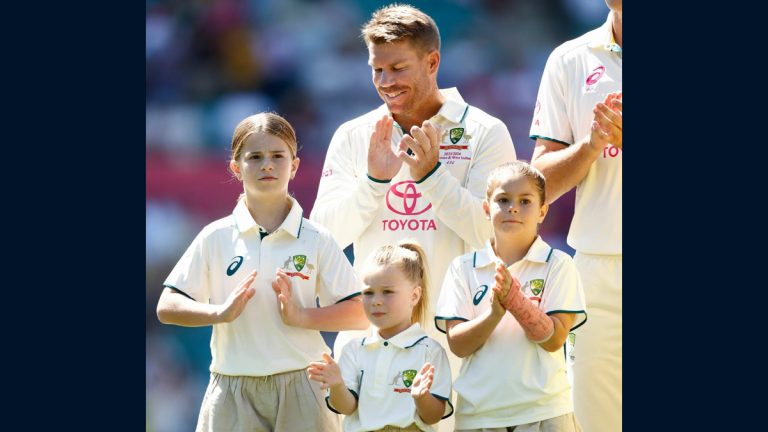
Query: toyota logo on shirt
[{"x": 403, "y": 199}]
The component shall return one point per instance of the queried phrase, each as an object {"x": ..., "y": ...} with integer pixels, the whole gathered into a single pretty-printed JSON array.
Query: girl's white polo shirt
[
  {"x": 257, "y": 343},
  {"x": 380, "y": 373},
  {"x": 510, "y": 380}
]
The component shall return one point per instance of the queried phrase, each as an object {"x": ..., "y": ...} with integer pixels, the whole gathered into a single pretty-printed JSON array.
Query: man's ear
[{"x": 433, "y": 61}]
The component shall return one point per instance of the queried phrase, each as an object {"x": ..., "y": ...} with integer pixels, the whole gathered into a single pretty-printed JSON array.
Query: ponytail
[{"x": 409, "y": 256}]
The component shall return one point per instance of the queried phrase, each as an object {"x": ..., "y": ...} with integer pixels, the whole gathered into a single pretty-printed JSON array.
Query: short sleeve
[
  {"x": 454, "y": 302},
  {"x": 337, "y": 280},
  {"x": 550, "y": 116},
  {"x": 190, "y": 275},
  {"x": 350, "y": 372},
  {"x": 563, "y": 291},
  {"x": 441, "y": 384}
]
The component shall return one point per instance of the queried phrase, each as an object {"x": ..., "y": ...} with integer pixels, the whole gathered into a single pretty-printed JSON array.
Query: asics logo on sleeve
[{"x": 236, "y": 262}]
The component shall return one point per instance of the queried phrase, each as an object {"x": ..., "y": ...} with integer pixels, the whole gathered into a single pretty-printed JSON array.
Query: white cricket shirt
[
  {"x": 443, "y": 212},
  {"x": 510, "y": 380},
  {"x": 257, "y": 343},
  {"x": 577, "y": 76},
  {"x": 380, "y": 373}
]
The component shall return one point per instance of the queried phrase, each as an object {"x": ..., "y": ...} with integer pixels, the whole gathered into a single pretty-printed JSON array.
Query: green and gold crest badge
[
  {"x": 536, "y": 286},
  {"x": 455, "y": 134},
  {"x": 299, "y": 261},
  {"x": 408, "y": 376}
]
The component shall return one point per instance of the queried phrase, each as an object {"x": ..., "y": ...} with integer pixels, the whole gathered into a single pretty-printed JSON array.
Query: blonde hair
[
  {"x": 401, "y": 22},
  {"x": 519, "y": 168},
  {"x": 410, "y": 258}
]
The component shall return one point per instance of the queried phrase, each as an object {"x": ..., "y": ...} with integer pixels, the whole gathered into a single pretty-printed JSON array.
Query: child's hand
[
  {"x": 423, "y": 381},
  {"x": 235, "y": 303},
  {"x": 500, "y": 288},
  {"x": 290, "y": 313},
  {"x": 327, "y": 372},
  {"x": 505, "y": 285}
]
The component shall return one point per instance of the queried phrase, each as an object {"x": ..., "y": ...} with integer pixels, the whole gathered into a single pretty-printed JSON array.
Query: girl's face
[
  {"x": 515, "y": 208},
  {"x": 389, "y": 298},
  {"x": 265, "y": 165}
]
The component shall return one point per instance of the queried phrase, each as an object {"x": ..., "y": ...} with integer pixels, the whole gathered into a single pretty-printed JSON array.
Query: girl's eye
[
  {"x": 525, "y": 201},
  {"x": 502, "y": 200},
  {"x": 367, "y": 293}
]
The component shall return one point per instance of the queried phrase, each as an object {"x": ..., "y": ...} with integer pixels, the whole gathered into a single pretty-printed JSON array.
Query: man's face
[{"x": 401, "y": 74}]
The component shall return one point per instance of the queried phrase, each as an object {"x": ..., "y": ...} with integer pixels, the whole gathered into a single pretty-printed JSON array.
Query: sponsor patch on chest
[{"x": 454, "y": 146}]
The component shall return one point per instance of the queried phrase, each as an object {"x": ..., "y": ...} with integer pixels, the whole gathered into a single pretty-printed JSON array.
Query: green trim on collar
[
  {"x": 463, "y": 116},
  {"x": 301, "y": 223},
  {"x": 414, "y": 344}
]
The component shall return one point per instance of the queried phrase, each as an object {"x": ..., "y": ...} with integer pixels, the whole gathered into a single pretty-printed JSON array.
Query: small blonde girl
[{"x": 398, "y": 378}]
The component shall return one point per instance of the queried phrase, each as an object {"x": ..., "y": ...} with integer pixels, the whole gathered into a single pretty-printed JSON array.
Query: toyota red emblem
[
  {"x": 596, "y": 74},
  {"x": 402, "y": 198}
]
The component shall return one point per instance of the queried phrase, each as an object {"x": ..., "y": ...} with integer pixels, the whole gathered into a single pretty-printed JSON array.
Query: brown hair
[
  {"x": 519, "y": 168},
  {"x": 266, "y": 122},
  {"x": 399, "y": 22},
  {"x": 410, "y": 258}
]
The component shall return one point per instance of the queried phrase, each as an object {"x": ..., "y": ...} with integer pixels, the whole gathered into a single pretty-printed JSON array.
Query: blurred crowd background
[{"x": 210, "y": 63}]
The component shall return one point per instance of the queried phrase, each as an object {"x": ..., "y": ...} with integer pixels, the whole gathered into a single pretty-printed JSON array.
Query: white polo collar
[
  {"x": 603, "y": 38},
  {"x": 539, "y": 252},
  {"x": 405, "y": 339},
  {"x": 291, "y": 224},
  {"x": 454, "y": 108}
]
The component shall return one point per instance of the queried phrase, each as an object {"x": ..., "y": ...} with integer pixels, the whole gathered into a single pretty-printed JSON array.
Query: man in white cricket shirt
[
  {"x": 577, "y": 126},
  {"x": 416, "y": 167}
]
